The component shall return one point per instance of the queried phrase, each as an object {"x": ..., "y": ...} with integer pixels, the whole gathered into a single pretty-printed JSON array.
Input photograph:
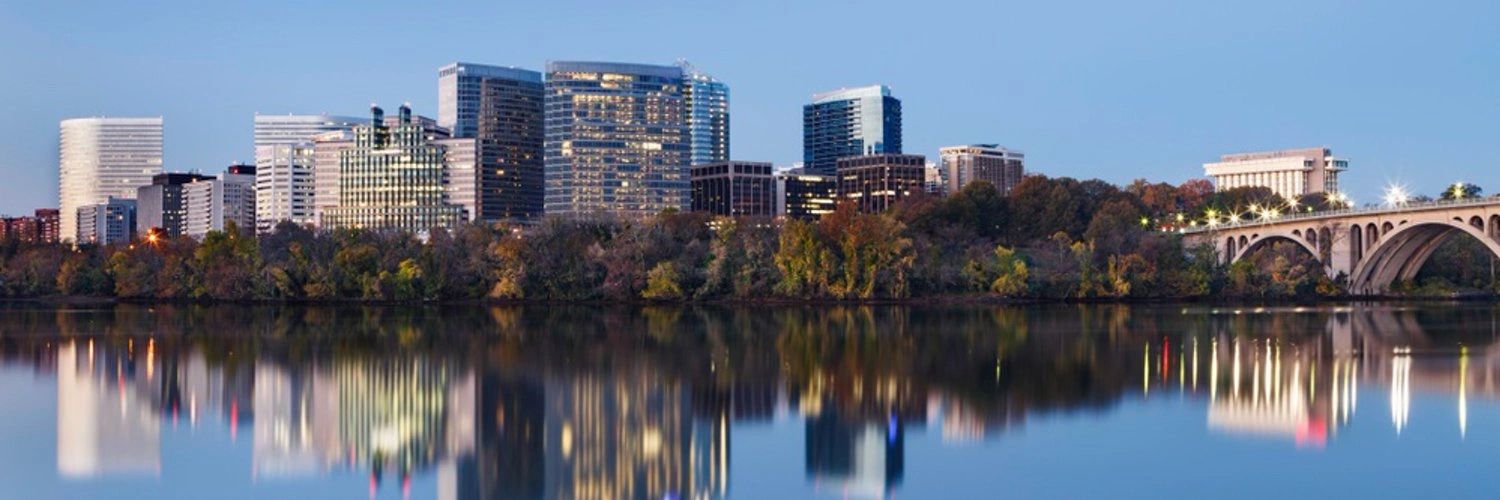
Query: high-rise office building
[
  {"x": 501, "y": 108},
  {"x": 160, "y": 205},
  {"x": 617, "y": 139},
  {"x": 214, "y": 203},
  {"x": 108, "y": 223},
  {"x": 708, "y": 115},
  {"x": 272, "y": 130},
  {"x": 284, "y": 165},
  {"x": 1290, "y": 173},
  {"x": 991, "y": 163},
  {"x": 876, "y": 182},
  {"x": 849, "y": 122},
  {"x": 404, "y": 175},
  {"x": 103, "y": 157},
  {"x": 804, "y": 196},
  {"x": 734, "y": 188}
]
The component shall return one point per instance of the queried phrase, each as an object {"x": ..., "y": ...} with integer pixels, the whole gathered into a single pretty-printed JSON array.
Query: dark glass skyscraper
[
  {"x": 501, "y": 108},
  {"x": 849, "y": 122},
  {"x": 618, "y": 141}
]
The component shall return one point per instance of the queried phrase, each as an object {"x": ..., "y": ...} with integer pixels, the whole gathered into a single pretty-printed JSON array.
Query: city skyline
[{"x": 1151, "y": 91}]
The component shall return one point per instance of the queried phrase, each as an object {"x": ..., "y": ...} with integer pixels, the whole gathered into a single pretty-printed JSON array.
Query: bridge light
[
  {"x": 1395, "y": 195},
  {"x": 1458, "y": 190},
  {"x": 1145, "y": 222}
]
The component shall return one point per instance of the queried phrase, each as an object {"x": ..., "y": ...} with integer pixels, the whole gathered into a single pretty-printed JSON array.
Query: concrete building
[
  {"x": 502, "y": 108},
  {"x": 991, "y": 163},
  {"x": 617, "y": 139},
  {"x": 289, "y": 129},
  {"x": 38, "y": 228},
  {"x": 108, "y": 223},
  {"x": 214, "y": 203},
  {"x": 804, "y": 196},
  {"x": 48, "y": 225},
  {"x": 1290, "y": 173},
  {"x": 876, "y": 182},
  {"x": 708, "y": 115},
  {"x": 734, "y": 188},
  {"x": 849, "y": 122},
  {"x": 404, "y": 175},
  {"x": 327, "y": 148},
  {"x": 161, "y": 204},
  {"x": 99, "y": 158}
]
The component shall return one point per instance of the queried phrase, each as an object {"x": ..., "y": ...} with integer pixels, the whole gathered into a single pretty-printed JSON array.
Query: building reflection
[{"x": 638, "y": 405}]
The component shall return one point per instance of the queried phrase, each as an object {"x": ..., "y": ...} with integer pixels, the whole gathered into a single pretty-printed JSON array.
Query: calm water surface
[{"x": 546, "y": 402}]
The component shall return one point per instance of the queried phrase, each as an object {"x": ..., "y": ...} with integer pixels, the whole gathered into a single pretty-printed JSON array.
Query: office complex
[
  {"x": 108, "y": 223},
  {"x": 103, "y": 157},
  {"x": 876, "y": 182},
  {"x": 161, "y": 206},
  {"x": 397, "y": 176},
  {"x": 800, "y": 195},
  {"x": 1290, "y": 173},
  {"x": 1001, "y": 167},
  {"x": 211, "y": 205},
  {"x": 708, "y": 115},
  {"x": 734, "y": 188},
  {"x": 501, "y": 108},
  {"x": 849, "y": 122},
  {"x": 617, "y": 139},
  {"x": 284, "y": 165}
]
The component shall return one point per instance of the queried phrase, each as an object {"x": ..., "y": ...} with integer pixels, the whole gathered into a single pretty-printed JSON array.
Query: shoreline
[{"x": 945, "y": 300}]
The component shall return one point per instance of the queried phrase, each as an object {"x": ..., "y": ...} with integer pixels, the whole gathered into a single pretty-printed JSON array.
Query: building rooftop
[
  {"x": 845, "y": 94},
  {"x": 485, "y": 70}
]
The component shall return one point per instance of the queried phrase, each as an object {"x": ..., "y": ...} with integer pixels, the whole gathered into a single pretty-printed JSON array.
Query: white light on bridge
[{"x": 1396, "y": 195}]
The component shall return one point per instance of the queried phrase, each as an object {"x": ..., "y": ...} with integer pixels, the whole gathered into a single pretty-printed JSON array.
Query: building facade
[
  {"x": 708, "y": 115},
  {"x": 213, "y": 204},
  {"x": 103, "y": 157},
  {"x": 162, "y": 205},
  {"x": 849, "y": 122},
  {"x": 1001, "y": 167},
  {"x": 804, "y": 196},
  {"x": 876, "y": 182},
  {"x": 734, "y": 189},
  {"x": 617, "y": 139},
  {"x": 38, "y": 228},
  {"x": 396, "y": 177},
  {"x": 285, "y": 171},
  {"x": 49, "y": 225},
  {"x": 108, "y": 223},
  {"x": 502, "y": 108},
  {"x": 1290, "y": 173}
]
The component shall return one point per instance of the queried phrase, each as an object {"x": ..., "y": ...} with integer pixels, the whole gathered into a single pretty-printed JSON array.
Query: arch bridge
[{"x": 1373, "y": 247}]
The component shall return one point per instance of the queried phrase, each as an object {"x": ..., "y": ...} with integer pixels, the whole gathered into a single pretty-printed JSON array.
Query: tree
[
  {"x": 1011, "y": 273},
  {"x": 662, "y": 282},
  {"x": 1461, "y": 190}
]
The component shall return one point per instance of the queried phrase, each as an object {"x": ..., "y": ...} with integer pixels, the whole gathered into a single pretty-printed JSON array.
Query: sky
[{"x": 1407, "y": 91}]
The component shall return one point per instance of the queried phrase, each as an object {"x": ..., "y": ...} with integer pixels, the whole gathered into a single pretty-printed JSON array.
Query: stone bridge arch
[
  {"x": 1401, "y": 251},
  {"x": 1241, "y": 247}
]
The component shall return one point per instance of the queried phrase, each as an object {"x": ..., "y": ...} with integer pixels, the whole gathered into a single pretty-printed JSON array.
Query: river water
[{"x": 789, "y": 402}]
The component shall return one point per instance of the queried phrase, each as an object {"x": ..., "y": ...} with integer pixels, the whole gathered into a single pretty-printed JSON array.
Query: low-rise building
[
  {"x": 734, "y": 188},
  {"x": 108, "y": 223},
  {"x": 877, "y": 182},
  {"x": 1290, "y": 173},
  {"x": 800, "y": 195}
]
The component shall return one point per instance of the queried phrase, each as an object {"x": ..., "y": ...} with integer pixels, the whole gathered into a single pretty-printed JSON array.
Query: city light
[{"x": 1396, "y": 195}]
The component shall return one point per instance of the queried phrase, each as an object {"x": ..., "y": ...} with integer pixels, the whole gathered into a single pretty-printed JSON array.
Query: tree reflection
[{"x": 612, "y": 402}]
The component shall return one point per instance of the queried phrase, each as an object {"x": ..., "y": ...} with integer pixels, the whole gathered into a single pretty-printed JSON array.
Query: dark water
[{"x": 546, "y": 402}]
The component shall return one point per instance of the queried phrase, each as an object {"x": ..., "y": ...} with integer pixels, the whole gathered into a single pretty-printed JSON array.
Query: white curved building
[{"x": 103, "y": 157}]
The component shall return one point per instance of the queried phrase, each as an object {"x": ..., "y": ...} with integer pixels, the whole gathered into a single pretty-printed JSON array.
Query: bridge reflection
[{"x": 603, "y": 403}]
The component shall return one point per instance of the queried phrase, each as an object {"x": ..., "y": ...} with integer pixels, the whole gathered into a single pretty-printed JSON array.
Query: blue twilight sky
[{"x": 1116, "y": 90}]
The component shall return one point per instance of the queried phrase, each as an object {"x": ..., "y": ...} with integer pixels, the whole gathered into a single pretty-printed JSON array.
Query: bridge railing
[{"x": 1365, "y": 210}]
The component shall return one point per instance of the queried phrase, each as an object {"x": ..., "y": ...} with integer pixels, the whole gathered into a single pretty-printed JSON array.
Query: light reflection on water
[{"x": 571, "y": 402}]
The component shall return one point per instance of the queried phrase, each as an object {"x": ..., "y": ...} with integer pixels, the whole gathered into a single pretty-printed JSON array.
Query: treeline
[{"x": 1050, "y": 238}]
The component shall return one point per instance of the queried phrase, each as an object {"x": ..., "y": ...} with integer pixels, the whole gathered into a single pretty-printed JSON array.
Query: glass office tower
[
  {"x": 617, "y": 139},
  {"x": 501, "y": 108},
  {"x": 708, "y": 115},
  {"x": 849, "y": 122}
]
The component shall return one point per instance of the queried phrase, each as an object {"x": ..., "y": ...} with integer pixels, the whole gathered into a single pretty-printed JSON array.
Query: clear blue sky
[{"x": 1116, "y": 90}]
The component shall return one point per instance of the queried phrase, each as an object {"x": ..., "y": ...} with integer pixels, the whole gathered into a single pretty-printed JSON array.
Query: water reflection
[{"x": 626, "y": 403}]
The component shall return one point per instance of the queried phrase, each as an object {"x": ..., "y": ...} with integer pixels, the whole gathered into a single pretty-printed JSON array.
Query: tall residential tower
[
  {"x": 708, "y": 115},
  {"x": 617, "y": 139},
  {"x": 99, "y": 158},
  {"x": 501, "y": 108}
]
